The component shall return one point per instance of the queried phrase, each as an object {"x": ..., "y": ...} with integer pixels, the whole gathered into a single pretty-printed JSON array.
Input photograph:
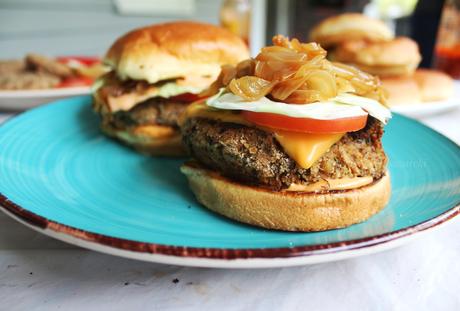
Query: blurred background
[{"x": 88, "y": 27}]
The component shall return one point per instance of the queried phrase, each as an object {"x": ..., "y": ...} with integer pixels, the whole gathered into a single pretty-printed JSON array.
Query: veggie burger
[
  {"x": 289, "y": 141},
  {"x": 156, "y": 72}
]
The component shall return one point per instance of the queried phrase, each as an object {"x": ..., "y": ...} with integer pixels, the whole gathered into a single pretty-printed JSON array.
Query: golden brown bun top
[
  {"x": 434, "y": 85},
  {"x": 400, "y": 51},
  {"x": 174, "y": 49},
  {"x": 349, "y": 26}
]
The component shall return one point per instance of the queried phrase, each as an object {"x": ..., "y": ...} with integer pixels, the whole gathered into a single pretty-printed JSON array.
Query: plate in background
[
  {"x": 427, "y": 109},
  {"x": 19, "y": 100},
  {"x": 63, "y": 178}
]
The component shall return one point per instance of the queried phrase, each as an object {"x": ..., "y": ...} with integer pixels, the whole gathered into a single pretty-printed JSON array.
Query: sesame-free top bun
[
  {"x": 349, "y": 26},
  {"x": 289, "y": 211},
  {"x": 401, "y": 91},
  {"x": 434, "y": 85},
  {"x": 175, "y": 49},
  {"x": 397, "y": 57}
]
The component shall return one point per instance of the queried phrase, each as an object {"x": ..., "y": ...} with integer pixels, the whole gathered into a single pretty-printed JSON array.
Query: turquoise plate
[{"x": 61, "y": 176}]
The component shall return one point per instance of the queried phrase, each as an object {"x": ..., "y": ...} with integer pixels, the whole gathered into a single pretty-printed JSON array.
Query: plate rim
[
  {"x": 45, "y": 93},
  {"x": 42, "y": 224}
]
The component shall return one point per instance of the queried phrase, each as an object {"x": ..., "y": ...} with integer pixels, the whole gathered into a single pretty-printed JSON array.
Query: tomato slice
[
  {"x": 85, "y": 60},
  {"x": 305, "y": 125},
  {"x": 186, "y": 97},
  {"x": 75, "y": 82}
]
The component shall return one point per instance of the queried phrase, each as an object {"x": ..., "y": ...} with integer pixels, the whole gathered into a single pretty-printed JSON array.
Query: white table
[{"x": 40, "y": 273}]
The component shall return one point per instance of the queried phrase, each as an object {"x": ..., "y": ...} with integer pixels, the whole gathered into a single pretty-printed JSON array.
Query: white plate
[
  {"x": 427, "y": 109},
  {"x": 26, "y": 99}
]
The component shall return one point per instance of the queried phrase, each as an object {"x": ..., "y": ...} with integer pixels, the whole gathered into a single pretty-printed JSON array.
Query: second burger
[{"x": 156, "y": 72}]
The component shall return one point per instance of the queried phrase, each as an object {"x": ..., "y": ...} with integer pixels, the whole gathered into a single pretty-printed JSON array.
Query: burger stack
[
  {"x": 369, "y": 45},
  {"x": 287, "y": 140}
]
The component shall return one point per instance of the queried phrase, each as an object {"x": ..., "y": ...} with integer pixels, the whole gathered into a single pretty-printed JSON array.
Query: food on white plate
[
  {"x": 341, "y": 28},
  {"x": 368, "y": 44},
  {"x": 289, "y": 141},
  {"x": 40, "y": 72},
  {"x": 156, "y": 71},
  {"x": 398, "y": 57},
  {"x": 425, "y": 85},
  {"x": 434, "y": 85}
]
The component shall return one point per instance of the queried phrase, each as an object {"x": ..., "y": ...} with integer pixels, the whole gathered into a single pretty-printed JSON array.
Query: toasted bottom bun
[
  {"x": 289, "y": 211},
  {"x": 157, "y": 140},
  {"x": 402, "y": 91}
]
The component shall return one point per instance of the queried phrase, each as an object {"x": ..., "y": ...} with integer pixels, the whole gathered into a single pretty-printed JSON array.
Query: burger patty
[
  {"x": 154, "y": 111},
  {"x": 253, "y": 156}
]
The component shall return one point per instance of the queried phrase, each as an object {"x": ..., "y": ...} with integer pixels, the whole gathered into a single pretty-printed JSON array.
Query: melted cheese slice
[
  {"x": 129, "y": 100},
  {"x": 304, "y": 148}
]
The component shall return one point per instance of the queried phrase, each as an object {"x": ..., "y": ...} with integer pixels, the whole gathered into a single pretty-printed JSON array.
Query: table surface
[{"x": 44, "y": 274}]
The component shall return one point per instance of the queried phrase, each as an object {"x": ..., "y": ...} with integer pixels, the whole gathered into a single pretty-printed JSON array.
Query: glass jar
[
  {"x": 447, "y": 48},
  {"x": 235, "y": 15}
]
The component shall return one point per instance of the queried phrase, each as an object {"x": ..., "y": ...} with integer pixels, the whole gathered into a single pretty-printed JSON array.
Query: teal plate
[{"x": 61, "y": 176}]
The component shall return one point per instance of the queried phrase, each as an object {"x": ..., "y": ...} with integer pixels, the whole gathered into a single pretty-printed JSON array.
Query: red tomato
[
  {"x": 75, "y": 82},
  {"x": 306, "y": 125},
  {"x": 85, "y": 60},
  {"x": 186, "y": 97}
]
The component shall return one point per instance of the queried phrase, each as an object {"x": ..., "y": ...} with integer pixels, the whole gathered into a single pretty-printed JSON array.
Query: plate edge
[{"x": 42, "y": 223}]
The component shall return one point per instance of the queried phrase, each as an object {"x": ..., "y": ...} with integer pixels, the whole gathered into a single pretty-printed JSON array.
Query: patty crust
[
  {"x": 154, "y": 111},
  {"x": 254, "y": 156}
]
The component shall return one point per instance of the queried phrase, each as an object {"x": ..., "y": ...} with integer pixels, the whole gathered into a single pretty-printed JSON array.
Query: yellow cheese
[
  {"x": 304, "y": 148},
  {"x": 131, "y": 99}
]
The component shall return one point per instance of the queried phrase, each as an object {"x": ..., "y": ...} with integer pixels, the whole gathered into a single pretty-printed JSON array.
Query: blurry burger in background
[
  {"x": 156, "y": 72},
  {"x": 370, "y": 45},
  {"x": 289, "y": 141}
]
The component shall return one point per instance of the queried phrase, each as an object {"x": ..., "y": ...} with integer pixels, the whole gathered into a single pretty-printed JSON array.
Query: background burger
[
  {"x": 156, "y": 72},
  {"x": 290, "y": 141},
  {"x": 369, "y": 45}
]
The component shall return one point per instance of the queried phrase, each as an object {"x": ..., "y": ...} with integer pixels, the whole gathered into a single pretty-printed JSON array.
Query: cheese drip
[{"x": 304, "y": 148}]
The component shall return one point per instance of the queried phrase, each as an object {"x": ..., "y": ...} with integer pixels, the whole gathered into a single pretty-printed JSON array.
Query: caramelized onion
[
  {"x": 304, "y": 97},
  {"x": 295, "y": 72},
  {"x": 245, "y": 68},
  {"x": 285, "y": 88},
  {"x": 322, "y": 81},
  {"x": 250, "y": 87}
]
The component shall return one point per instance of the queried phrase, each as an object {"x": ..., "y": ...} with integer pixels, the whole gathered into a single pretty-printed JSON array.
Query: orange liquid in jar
[{"x": 448, "y": 60}]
